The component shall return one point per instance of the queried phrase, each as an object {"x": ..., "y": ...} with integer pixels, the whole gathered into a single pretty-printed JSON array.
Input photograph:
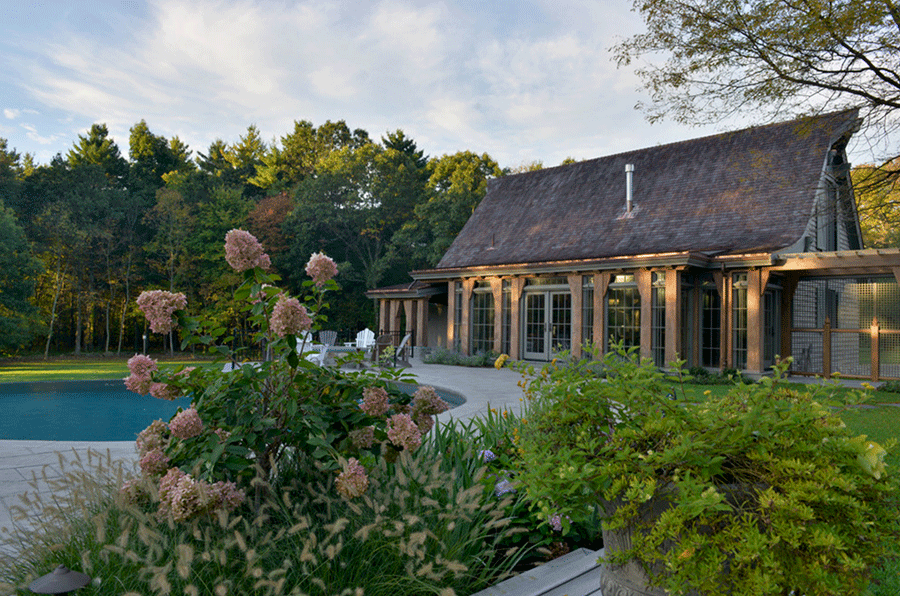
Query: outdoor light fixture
[{"x": 59, "y": 581}]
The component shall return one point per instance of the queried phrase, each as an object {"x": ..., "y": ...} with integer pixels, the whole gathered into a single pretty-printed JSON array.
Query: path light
[{"x": 59, "y": 581}]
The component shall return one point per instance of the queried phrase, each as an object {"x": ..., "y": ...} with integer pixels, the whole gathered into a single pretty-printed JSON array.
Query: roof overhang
[
  {"x": 683, "y": 259},
  {"x": 416, "y": 289},
  {"x": 879, "y": 261}
]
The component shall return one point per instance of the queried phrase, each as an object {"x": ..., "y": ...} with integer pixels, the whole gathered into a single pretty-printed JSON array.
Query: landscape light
[{"x": 59, "y": 581}]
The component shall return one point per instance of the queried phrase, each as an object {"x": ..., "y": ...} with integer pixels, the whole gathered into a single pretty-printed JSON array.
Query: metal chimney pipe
[{"x": 629, "y": 174}]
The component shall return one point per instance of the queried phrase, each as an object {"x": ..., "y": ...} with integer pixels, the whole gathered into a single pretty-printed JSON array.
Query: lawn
[{"x": 75, "y": 369}]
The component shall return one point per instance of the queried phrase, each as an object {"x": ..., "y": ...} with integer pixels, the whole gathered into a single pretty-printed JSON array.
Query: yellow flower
[{"x": 501, "y": 360}]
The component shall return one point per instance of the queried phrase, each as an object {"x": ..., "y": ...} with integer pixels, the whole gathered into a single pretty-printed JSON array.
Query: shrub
[
  {"x": 764, "y": 490},
  {"x": 452, "y": 358}
]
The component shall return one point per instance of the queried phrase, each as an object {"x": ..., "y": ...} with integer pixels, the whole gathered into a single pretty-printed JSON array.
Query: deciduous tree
[{"x": 771, "y": 59}]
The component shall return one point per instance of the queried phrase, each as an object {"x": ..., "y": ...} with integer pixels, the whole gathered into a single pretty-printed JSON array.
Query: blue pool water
[
  {"x": 79, "y": 411},
  {"x": 94, "y": 410}
]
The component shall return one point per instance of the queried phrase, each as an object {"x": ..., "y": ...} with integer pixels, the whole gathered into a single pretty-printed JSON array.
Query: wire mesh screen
[
  {"x": 860, "y": 313},
  {"x": 889, "y": 355}
]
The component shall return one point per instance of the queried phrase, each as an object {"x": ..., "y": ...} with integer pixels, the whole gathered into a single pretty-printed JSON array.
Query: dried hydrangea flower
[
  {"x": 403, "y": 432},
  {"x": 243, "y": 251},
  {"x": 186, "y": 424},
  {"x": 141, "y": 368},
  {"x": 289, "y": 317},
  {"x": 375, "y": 401},
  {"x": 320, "y": 268},
  {"x": 158, "y": 307},
  {"x": 352, "y": 482}
]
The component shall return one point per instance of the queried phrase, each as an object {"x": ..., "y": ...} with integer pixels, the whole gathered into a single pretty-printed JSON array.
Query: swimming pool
[
  {"x": 94, "y": 410},
  {"x": 79, "y": 411}
]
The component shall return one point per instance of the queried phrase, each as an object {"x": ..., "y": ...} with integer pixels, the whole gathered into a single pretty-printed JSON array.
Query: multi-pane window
[
  {"x": 623, "y": 312},
  {"x": 658, "y": 319},
  {"x": 482, "y": 338},
  {"x": 739, "y": 320},
  {"x": 710, "y": 326},
  {"x": 587, "y": 309},
  {"x": 506, "y": 323}
]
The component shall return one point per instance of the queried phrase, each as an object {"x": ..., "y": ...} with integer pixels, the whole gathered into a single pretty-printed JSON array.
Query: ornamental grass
[{"x": 423, "y": 526}]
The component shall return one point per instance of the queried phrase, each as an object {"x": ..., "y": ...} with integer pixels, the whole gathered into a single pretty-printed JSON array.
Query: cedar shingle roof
[{"x": 747, "y": 191}]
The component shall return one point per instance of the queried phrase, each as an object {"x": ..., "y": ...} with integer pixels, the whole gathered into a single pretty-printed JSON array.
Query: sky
[{"x": 520, "y": 80}]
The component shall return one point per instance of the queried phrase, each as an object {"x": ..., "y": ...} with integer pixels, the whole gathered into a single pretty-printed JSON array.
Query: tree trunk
[{"x": 53, "y": 308}]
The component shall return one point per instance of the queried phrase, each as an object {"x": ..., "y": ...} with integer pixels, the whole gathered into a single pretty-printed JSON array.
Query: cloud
[
  {"x": 11, "y": 114},
  {"x": 521, "y": 81}
]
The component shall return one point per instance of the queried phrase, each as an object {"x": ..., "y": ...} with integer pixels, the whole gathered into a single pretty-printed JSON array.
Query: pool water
[
  {"x": 95, "y": 410},
  {"x": 79, "y": 411}
]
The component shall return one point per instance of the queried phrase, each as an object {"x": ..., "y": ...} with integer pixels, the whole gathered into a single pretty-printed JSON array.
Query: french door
[{"x": 548, "y": 324}]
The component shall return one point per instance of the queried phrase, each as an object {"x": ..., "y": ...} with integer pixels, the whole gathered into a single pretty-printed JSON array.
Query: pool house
[{"x": 725, "y": 251}]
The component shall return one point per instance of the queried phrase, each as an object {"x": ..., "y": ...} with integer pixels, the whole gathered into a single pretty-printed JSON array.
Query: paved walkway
[{"x": 27, "y": 466}]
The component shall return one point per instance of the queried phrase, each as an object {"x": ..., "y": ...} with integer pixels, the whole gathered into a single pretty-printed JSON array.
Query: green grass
[{"x": 76, "y": 369}]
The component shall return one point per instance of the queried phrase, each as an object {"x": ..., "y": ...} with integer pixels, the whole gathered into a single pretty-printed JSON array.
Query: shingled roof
[{"x": 748, "y": 191}]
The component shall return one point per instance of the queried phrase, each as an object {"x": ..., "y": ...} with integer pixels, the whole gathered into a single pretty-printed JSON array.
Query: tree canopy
[{"x": 772, "y": 58}]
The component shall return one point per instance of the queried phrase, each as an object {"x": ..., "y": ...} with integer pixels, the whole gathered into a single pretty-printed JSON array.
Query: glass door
[
  {"x": 535, "y": 326},
  {"x": 548, "y": 324},
  {"x": 560, "y": 322}
]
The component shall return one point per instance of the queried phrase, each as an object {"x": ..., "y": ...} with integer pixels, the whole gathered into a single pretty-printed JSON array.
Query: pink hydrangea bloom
[
  {"x": 226, "y": 495},
  {"x": 186, "y": 424},
  {"x": 289, "y": 317},
  {"x": 154, "y": 462},
  {"x": 133, "y": 492},
  {"x": 352, "y": 482},
  {"x": 159, "y": 306},
  {"x": 427, "y": 401},
  {"x": 141, "y": 367},
  {"x": 165, "y": 391},
  {"x": 320, "y": 268},
  {"x": 243, "y": 251},
  {"x": 187, "y": 499},
  {"x": 403, "y": 432},
  {"x": 375, "y": 401},
  {"x": 152, "y": 437},
  {"x": 423, "y": 421},
  {"x": 363, "y": 438}
]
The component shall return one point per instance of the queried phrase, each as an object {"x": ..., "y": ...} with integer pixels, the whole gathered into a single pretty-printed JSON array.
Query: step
[{"x": 574, "y": 574}]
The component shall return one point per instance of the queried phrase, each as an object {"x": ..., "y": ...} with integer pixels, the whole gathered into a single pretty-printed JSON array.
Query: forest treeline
[{"x": 82, "y": 236}]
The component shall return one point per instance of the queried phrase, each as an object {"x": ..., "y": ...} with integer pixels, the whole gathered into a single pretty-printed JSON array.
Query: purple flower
[
  {"x": 487, "y": 455},
  {"x": 503, "y": 487}
]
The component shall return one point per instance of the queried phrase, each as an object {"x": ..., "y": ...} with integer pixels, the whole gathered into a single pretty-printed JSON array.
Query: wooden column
[
  {"x": 601, "y": 284},
  {"x": 421, "y": 322},
  {"x": 383, "y": 314},
  {"x": 464, "y": 331},
  {"x": 497, "y": 293},
  {"x": 515, "y": 319},
  {"x": 756, "y": 286},
  {"x": 393, "y": 326},
  {"x": 410, "y": 312},
  {"x": 451, "y": 314},
  {"x": 673, "y": 316},
  {"x": 575, "y": 287},
  {"x": 645, "y": 289},
  {"x": 723, "y": 284},
  {"x": 789, "y": 286}
]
